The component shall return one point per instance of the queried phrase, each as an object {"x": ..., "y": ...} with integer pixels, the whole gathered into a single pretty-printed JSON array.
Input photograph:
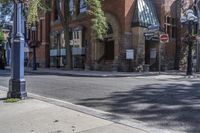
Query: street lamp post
[
  {"x": 197, "y": 5},
  {"x": 17, "y": 83},
  {"x": 189, "y": 19},
  {"x": 33, "y": 45}
]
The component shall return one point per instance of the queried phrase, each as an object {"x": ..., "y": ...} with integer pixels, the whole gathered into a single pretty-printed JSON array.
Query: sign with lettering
[
  {"x": 151, "y": 36},
  {"x": 130, "y": 54}
]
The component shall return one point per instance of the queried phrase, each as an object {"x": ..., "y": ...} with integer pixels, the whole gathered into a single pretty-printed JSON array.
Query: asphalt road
[{"x": 168, "y": 103}]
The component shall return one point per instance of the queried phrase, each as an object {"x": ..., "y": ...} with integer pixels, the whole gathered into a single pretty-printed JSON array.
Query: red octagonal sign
[{"x": 164, "y": 38}]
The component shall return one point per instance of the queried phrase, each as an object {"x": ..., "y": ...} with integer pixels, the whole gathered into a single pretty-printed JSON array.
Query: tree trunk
[
  {"x": 64, "y": 16},
  {"x": 68, "y": 48}
]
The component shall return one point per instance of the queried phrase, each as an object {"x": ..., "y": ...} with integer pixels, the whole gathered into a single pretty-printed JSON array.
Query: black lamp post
[
  {"x": 197, "y": 6},
  {"x": 17, "y": 83},
  {"x": 33, "y": 45},
  {"x": 189, "y": 19}
]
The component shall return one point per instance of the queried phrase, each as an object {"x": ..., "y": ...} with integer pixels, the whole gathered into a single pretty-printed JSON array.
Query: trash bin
[{"x": 38, "y": 65}]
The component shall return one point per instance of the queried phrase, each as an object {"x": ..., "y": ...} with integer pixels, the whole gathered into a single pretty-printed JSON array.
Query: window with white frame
[{"x": 170, "y": 26}]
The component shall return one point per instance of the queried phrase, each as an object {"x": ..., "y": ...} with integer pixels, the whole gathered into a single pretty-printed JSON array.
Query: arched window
[{"x": 110, "y": 29}]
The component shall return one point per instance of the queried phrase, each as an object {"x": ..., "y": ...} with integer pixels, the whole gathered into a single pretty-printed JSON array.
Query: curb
[
  {"x": 97, "y": 75},
  {"x": 100, "y": 114},
  {"x": 66, "y": 73},
  {"x": 76, "y": 75}
]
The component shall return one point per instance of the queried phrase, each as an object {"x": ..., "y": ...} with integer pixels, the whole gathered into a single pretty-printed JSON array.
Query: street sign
[
  {"x": 130, "y": 54},
  {"x": 153, "y": 28},
  {"x": 151, "y": 36},
  {"x": 164, "y": 38}
]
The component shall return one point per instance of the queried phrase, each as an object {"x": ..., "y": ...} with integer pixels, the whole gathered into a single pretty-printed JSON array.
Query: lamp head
[
  {"x": 192, "y": 17},
  {"x": 189, "y": 11},
  {"x": 183, "y": 19}
]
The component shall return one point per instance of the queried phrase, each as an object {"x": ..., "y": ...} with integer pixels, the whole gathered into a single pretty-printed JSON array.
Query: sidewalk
[
  {"x": 41, "y": 115},
  {"x": 36, "y": 116},
  {"x": 83, "y": 73}
]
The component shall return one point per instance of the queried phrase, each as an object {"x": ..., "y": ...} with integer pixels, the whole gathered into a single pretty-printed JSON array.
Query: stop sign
[{"x": 164, "y": 38}]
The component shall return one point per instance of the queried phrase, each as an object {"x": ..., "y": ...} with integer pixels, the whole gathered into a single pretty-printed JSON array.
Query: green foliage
[
  {"x": 4, "y": 1},
  {"x": 12, "y": 100},
  {"x": 1, "y": 36},
  {"x": 99, "y": 24},
  {"x": 34, "y": 6}
]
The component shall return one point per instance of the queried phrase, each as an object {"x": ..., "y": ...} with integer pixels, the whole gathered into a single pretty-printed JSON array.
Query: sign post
[
  {"x": 130, "y": 56},
  {"x": 164, "y": 38}
]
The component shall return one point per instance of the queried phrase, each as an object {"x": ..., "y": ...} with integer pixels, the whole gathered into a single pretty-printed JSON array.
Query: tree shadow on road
[{"x": 174, "y": 106}]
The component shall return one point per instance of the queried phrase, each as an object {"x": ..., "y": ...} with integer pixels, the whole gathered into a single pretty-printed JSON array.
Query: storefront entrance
[{"x": 152, "y": 55}]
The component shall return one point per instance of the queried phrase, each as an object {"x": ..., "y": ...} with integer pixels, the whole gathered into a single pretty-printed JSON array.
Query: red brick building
[{"x": 128, "y": 21}]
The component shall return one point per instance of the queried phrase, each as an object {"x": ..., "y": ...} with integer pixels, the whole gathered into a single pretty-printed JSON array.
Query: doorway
[
  {"x": 109, "y": 50},
  {"x": 151, "y": 54}
]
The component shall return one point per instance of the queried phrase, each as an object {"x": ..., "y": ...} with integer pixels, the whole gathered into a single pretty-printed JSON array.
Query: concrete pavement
[{"x": 36, "y": 116}]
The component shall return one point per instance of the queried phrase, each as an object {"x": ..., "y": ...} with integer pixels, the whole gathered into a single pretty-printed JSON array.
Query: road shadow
[{"x": 172, "y": 106}]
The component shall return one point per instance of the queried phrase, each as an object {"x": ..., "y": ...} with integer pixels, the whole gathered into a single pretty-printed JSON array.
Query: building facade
[{"x": 128, "y": 46}]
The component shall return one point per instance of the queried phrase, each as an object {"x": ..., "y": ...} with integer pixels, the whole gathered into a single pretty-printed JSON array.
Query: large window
[
  {"x": 110, "y": 29},
  {"x": 53, "y": 41},
  {"x": 71, "y": 7},
  {"x": 170, "y": 26},
  {"x": 58, "y": 4},
  {"x": 82, "y": 6}
]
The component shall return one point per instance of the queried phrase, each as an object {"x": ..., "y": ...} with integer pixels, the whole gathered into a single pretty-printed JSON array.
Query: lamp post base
[
  {"x": 17, "y": 89},
  {"x": 189, "y": 73}
]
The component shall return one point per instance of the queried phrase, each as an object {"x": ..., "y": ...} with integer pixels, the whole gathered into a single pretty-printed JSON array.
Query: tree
[
  {"x": 65, "y": 23},
  {"x": 5, "y": 13},
  {"x": 99, "y": 24}
]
